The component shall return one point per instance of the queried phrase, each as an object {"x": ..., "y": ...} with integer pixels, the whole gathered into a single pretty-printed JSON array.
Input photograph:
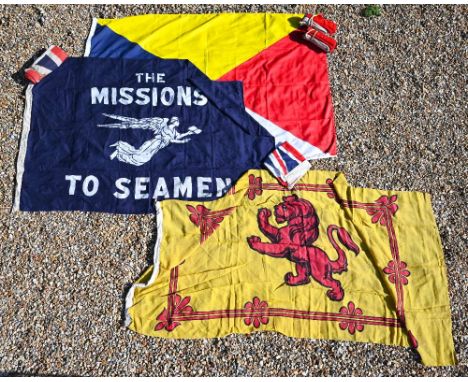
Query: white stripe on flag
[
  {"x": 273, "y": 170},
  {"x": 281, "y": 135},
  {"x": 54, "y": 58},
  {"x": 41, "y": 70},
  {"x": 277, "y": 165},
  {"x": 287, "y": 153}
]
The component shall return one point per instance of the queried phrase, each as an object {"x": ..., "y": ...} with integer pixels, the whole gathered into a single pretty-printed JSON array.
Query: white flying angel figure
[{"x": 164, "y": 130}]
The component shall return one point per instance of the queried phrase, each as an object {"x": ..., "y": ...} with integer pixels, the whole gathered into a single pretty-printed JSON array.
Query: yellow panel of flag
[
  {"x": 215, "y": 43},
  {"x": 324, "y": 260}
]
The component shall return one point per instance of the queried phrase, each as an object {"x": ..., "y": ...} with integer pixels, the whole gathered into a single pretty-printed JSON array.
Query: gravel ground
[{"x": 399, "y": 87}]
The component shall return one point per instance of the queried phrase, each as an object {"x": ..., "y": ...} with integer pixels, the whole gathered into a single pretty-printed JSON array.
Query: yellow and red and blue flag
[{"x": 285, "y": 79}]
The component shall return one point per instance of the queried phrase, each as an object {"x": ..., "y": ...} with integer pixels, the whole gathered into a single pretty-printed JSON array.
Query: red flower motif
[
  {"x": 392, "y": 269},
  {"x": 207, "y": 220},
  {"x": 198, "y": 214},
  {"x": 255, "y": 187},
  {"x": 258, "y": 312},
  {"x": 331, "y": 194},
  {"x": 383, "y": 203},
  {"x": 180, "y": 307},
  {"x": 350, "y": 324}
]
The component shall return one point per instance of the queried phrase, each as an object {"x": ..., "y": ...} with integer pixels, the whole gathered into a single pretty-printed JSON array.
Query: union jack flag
[{"x": 51, "y": 59}]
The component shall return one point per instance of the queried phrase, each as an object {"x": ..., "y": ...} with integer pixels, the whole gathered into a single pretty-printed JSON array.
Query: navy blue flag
[{"x": 111, "y": 135}]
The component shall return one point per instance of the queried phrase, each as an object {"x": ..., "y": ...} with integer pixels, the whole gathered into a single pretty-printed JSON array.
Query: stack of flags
[{"x": 318, "y": 31}]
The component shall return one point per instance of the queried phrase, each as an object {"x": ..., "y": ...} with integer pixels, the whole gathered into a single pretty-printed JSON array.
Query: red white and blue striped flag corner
[
  {"x": 287, "y": 164},
  {"x": 50, "y": 60}
]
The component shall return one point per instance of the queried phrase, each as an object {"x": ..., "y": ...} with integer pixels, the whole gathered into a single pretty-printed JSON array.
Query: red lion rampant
[{"x": 295, "y": 242}]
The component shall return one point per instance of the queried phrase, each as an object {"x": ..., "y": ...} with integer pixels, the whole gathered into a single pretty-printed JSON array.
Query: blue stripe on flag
[
  {"x": 269, "y": 164},
  {"x": 291, "y": 163},
  {"x": 47, "y": 62},
  {"x": 107, "y": 43}
]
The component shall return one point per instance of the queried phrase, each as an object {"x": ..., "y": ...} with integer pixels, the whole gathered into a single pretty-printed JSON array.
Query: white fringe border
[
  {"x": 23, "y": 146},
  {"x": 92, "y": 30}
]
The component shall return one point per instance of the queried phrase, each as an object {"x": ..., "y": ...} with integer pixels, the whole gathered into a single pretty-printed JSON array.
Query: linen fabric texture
[
  {"x": 112, "y": 134},
  {"x": 285, "y": 79},
  {"x": 323, "y": 260}
]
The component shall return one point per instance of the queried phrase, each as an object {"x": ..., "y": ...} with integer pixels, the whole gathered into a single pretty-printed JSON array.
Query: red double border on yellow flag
[{"x": 323, "y": 260}]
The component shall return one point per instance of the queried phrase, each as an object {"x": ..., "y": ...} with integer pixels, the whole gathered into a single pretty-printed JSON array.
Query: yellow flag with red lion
[{"x": 323, "y": 260}]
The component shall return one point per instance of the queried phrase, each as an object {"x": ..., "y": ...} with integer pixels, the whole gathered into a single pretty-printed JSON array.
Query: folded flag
[
  {"x": 318, "y": 22},
  {"x": 50, "y": 60},
  {"x": 287, "y": 164},
  {"x": 285, "y": 82},
  {"x": 112, "y": 134},
  {"x": 320, "y": 40},
  {"x": 323, "y": 260}
]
